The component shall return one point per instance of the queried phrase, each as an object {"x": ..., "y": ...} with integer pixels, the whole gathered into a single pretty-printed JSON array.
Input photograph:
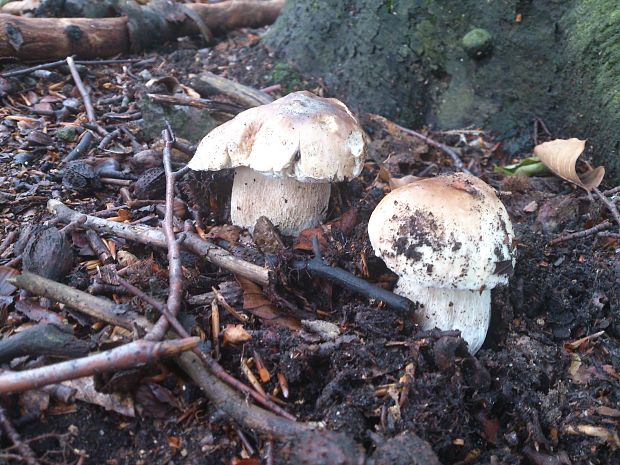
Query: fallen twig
[
  {"x": 456, "y": 159},
  {"x": 108, "y": 139},
  {"x": 8, "y": 240},
  {"x": 96, "y": 307},
  {"x": 579, "y": 234},
  {"x": 211, "y": 105},
  {"x": 317, "y": 267},
  {"x": 27, "y": 455},
  {"x": 613, "y": 191},
  {"x": 175, "y": 272},
  {"x": 152, "y": 236},
  {"x": 56, "y": 64},
  {"x": 88, "y": 105},
  {"x": 81, "y": 147},
  {"x": 211, "y": 364},
  {"x": 127, "y": 356},
  {"x": 49, "y": 340},
  {"x": 98, "y": 246},
  {"x": 246, "y": 96},
  {"x": 609, "y": 204}
]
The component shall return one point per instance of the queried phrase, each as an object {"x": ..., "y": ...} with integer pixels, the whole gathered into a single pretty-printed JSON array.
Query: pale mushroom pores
[
  {"x": 285, "y": 155},
  {"x": 449, "y": 240}
]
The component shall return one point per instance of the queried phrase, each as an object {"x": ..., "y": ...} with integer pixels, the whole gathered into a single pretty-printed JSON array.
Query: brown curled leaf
[{"x": 561, "y": 155}]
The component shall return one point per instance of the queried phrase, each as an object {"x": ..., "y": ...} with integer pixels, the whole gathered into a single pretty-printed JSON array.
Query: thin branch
[
  {"x": 609, "y": 204},
  {"x": 184, "y": 100},
  {"x": 613, "y": 191},
  {"x": 579, "y": 234},
  {"x": 8, "y": 240},
  {"x": 27, "y": 455},
  {"x": 317, "y": 267},
  {"x": 126, "y": 356},
  {"x": 81, "y": 148},
  {"x": 175, "y": 271},
  {"x": 456, "y": 159},
  {"x": 56, "y": 64},
  {"x": 155, "y": 237},
  {"x": 95, "y": 307},
  {"x": 213, "y": 366},
  {"x": 88, "y": 105}
]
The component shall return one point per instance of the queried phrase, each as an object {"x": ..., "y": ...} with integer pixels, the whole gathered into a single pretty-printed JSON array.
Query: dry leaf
[
  {"x": 395, "y": 183},
  {"x": 255, "y": 302},
  {"x": 607, "y": 411},
  {"x": 561, "y": 155},
  {"x": 226, "y": 232},
  {"x": 611, "y": 437},
  {"x": 344, "y": 224},
  {"x": 531, "y": 207},
  {"x": 86, "y": 392},
  {"x": 6, "y": 288},
  {"x": 37, "y": 313},
  {"x": 236, "y": 334}
]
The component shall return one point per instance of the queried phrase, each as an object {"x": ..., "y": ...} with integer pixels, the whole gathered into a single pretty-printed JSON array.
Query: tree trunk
[{"x": 459, "y": 63}]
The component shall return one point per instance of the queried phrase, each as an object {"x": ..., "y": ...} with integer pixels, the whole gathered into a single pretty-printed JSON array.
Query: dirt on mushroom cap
[{"x": 449, "y": 231}]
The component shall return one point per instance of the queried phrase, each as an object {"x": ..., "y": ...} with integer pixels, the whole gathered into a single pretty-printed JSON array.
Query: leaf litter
[{"x": 527, "y": 396}]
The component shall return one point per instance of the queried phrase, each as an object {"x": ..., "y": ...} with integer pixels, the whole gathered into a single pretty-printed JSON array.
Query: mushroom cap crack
[{"x": 301, "y": 136}]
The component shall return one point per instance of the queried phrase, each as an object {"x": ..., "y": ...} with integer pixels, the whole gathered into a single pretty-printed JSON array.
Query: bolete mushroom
[
  {"x": 285, "y": 155},
  {"x": 449, "y": 240}
]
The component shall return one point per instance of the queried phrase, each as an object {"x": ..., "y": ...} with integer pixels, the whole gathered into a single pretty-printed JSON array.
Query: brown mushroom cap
[
  {"x": 445, "y": 232},
  {"x": 302, "y": 136}
]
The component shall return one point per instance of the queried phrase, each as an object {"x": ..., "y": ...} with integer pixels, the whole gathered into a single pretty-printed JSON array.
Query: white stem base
[
  {"x": 291, "y": 205},
  {"x": 446, "y": 309}
]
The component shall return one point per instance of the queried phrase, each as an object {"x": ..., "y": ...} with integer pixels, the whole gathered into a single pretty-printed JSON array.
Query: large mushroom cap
[
  {"x": 310, "y": 138},
  {"x": 445, "y": 232}
]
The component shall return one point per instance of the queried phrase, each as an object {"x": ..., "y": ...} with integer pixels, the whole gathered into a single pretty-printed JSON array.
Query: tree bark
[
  {"x": 462, "y": 63},
  {"x": 51, "y": 38}
]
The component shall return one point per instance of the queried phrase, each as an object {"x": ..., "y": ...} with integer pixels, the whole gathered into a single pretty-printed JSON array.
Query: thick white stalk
[
  {"x": 446, "y": 309},
  {"x": 290, "y": 205}
]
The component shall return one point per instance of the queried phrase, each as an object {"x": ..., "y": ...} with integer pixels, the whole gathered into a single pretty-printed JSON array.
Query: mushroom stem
[
  {"x": 290, "y": 205},
  {"x": 446, "y": 309}
]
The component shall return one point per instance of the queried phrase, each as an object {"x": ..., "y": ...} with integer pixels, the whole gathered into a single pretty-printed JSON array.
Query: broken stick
[
  {"x": 124, "y": 357},
  {"x": 156, "y": 237},
  {"x": 95, "y": 307}
]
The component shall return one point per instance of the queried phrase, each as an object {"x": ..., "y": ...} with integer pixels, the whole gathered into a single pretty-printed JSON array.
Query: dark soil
[{"x": 529, "y": 396}]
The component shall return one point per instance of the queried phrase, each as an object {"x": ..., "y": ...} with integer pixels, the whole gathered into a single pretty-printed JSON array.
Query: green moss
[
  {"x": 422, "y": 62},
  {"x": 478, "y": 43},
  {"x": 288, "y": 77},
  {"x": 593, "y": 67}
]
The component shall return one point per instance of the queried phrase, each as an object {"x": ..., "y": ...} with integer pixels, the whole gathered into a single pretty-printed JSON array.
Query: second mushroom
[
  {"x": 285, "y": 155},
  {"x": 449, "y": 240}
]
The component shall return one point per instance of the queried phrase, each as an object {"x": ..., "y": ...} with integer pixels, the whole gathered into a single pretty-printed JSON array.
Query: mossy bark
[{"x": 553, "y": 59}]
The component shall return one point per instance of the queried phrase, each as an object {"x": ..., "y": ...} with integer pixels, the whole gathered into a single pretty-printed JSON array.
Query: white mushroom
[
  {"x": 285, "y": 153},
  {"x": 449, "y": 240}
]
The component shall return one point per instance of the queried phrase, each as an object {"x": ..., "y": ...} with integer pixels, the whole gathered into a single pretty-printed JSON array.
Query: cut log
[
  {"x": 52, "y": 38},
  {"x": 209, "y": 83},
  {"x": 234, "y": 14},
  {"x": 36, "y": 39}
]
